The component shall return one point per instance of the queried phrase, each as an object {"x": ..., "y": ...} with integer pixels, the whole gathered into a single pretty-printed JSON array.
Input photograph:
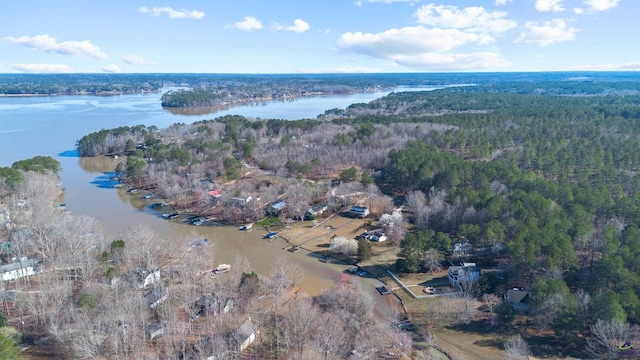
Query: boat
[
  {"x": 198, "y": 221},
  {"x": 174, "y": 215},
  {"x": 245, "y": 227},
  {"x": 222, "y": 268},
  {"x": 270, "y": 235},
  {"x": 147, "y": 196}
]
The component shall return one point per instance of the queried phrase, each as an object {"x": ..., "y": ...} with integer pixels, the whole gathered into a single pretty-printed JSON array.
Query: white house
[
  {"x": 20, "y": 268},
  {"x": 146, "y": 278},
  {"x": 465, "y": 272}
]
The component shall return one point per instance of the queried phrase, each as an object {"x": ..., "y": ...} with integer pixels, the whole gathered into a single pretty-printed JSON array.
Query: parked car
[{"x": 383, "y": 290}]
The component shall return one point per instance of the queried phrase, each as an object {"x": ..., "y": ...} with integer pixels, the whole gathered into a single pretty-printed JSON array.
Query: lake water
[{"x": 31, "y": 126}]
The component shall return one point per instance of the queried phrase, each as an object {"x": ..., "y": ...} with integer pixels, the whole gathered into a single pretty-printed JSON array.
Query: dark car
[{"x": 383, "y": 290}]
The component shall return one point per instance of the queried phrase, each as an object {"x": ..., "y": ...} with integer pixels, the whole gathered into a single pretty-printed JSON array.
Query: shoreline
[{"x": 104, "y": 93}]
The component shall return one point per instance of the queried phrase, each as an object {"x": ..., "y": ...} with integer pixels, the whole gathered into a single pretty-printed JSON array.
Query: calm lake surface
[{"x": 31, "y": 126}]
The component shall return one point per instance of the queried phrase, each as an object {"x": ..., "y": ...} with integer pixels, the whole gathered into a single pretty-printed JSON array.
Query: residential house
[
  {"x": 359, "y": 211},
  {"x": 463, "y": 273},
  {"x": 241, "y": 201},
  {"x": 211, "y": 305},
  {"x": 156, "y": 297},
  {"x": 215, "y": 193},
  {"x": 154, "y": 330},
  {"x": 20, "y": 268},
  {"x": 276, "y": 208},
  {"x": 144, "y": 278},
  {"x": 462, "y": 249},
  {"x": 245, "y": 335},
  {"x": 376, "y": 235},
  {"x": 518, "y": 299},
  {"x": 315, "y": 211}
]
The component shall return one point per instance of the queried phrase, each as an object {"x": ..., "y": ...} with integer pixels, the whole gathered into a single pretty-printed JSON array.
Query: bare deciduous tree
[
  {"x": 491, "y": 301},
  {"x": 299, "y": 324},
  {"x": 329, "y": 339},
  {"x": 516, "y": 348},
  {"x": 432, "y": 260},
  {"x": 606, "y": 337},
  {"x": 344, "y": 246}
]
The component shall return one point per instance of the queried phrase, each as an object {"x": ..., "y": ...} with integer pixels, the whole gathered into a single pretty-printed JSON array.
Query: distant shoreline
[{"x": 104, "y": 93}]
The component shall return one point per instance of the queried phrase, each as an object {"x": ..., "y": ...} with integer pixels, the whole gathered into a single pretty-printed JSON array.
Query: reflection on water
[{"x": 99, "y": 164}]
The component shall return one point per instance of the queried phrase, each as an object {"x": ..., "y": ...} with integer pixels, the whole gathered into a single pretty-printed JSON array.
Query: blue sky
[{"x": 313, "y": 36}]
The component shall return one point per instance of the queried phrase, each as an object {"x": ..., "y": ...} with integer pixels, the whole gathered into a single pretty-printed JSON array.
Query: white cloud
[
  {"x": 547, "y": 33},
  {"x": 475, "y": 18},
  {"x": 423, "y": 48},
  {"x": 298, "y": 26},
  {"x": 137, "y": 60},
  {"x": 407, "y": 40},
  {"x": 578, "y": 10},
  {"x": 360, "y": 2},
  {"x": 549, "y": 5},
  {"x": 173, "y": 14},
  {"x": 502, "y": 2},
  {"x": 113, "y": 68},
  {"x": 248, "y": 23},
  {"x": 601, "y": 5},
  {"x": 632, "y": 66},
  {"x": 340, "y": 70},
  {"x": 43, "y": 68},
  {"x": 453, "y": 62},
  {"x": 47, "y": 43}
]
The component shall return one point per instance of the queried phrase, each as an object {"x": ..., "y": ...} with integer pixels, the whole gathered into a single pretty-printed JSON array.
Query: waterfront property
[
  {"x": 315, "y": 211},
  {"x": 359, "y": 211},
  {"x": 276, "y": 208}
]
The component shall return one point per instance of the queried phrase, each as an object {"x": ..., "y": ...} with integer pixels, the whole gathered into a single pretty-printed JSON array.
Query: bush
[
  {"x": 87, "y": 301},
  {"x": 8, "y": 349}
]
